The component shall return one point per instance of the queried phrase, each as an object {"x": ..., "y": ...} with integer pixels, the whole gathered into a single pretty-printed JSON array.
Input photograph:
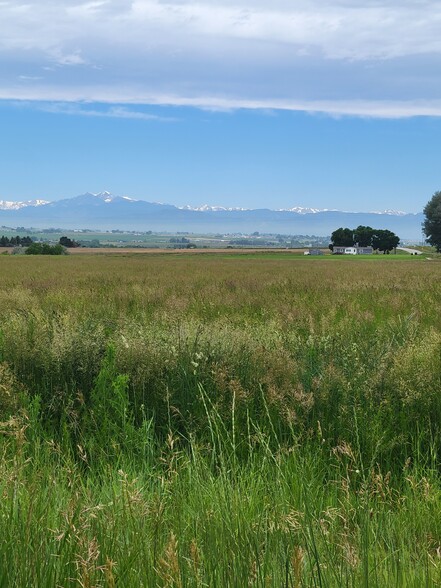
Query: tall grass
[{"x": 219, "y": 422}]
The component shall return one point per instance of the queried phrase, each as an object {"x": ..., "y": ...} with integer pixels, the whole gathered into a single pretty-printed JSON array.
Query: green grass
[{"x": 220, "y": 421}]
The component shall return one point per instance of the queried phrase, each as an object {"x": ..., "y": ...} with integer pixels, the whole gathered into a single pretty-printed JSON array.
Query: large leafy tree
[
  {"x": 432, "y": 222},
  {"x": 66, "y": 242},
  {"x": 363, "y": 236},
  {"x": 384, "y": 240},
  {"x": 342, "y": 237}
]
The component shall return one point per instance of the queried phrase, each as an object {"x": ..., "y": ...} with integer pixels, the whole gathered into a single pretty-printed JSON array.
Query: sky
[{"x": 315, "y": 103}]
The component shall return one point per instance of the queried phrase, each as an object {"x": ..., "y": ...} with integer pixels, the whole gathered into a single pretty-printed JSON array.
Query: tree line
[
  {"x": 14, "y": 241},
  {"x": 36, "y": 248},
  {"x": 379, "y": 239}
]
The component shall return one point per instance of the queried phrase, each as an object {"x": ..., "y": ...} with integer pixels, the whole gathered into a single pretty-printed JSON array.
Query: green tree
[
  {"x": 66, "y": 242},
  {"x": 58, "y": 250},
  {"x": 342, "y": 237},
  {"x": 384, "y": 240},
  {"x": 432, "y": 222},
  {"x": 35, "y": 249},
  {"x": 45, "y": 249},
  {"x": 363, "y": 236}
]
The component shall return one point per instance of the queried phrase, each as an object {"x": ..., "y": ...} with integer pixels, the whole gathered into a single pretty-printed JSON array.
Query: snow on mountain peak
[
  {"x": 390, "y": 212},
  {"x": 8, "y": 205},
  {"x": 305, "y": 210},
  {"x": 106, "y": 196},
  {"x": 295, "y": 209},
  {"x": 208, "y": 208},
  {"x": 109, "y": 197}
]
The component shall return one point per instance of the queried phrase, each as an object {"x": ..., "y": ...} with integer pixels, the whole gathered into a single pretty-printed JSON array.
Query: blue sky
[{"x": 308, "y": 103}]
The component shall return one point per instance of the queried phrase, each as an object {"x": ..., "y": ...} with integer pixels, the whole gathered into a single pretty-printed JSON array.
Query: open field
[
  {"x": 273, "y": 252},
  {"x": 169, "y": 251},
  {"x": 220, "y": 420},
  {"x": 153, "y": 240}
]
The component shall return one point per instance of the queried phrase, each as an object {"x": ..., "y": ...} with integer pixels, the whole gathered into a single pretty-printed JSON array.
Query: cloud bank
[{"x": 368, "y": 58}]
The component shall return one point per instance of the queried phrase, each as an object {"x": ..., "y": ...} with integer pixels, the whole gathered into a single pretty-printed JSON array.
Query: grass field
[{"x": 220, "y": 420}]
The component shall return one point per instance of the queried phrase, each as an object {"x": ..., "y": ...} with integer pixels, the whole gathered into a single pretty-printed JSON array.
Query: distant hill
[{"x": 105, "y": 211}]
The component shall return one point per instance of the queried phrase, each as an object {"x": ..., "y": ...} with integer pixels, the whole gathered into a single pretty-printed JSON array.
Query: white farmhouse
[{"x": 352, "y": 250}]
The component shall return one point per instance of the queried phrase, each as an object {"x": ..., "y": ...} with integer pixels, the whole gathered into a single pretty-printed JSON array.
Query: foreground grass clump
[{"x": 219, "y": 422}]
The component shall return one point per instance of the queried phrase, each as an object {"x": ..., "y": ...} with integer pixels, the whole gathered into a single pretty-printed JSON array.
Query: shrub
[{"x": 45, "y": 249}]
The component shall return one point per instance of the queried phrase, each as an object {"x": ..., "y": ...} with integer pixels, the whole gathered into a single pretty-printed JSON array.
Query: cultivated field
[{"x": 220, "y": 420}]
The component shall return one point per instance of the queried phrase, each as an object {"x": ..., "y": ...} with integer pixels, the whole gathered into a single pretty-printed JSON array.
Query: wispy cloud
[
  {"x": 362, "y": 57},
  {"x": 73, "y": 105},
  {"x": 112, "y": 112},
  {"x": 30, "y": 78}
]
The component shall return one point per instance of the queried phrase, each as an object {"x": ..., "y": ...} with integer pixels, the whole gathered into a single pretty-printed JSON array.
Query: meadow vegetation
[{"x": 209, "y": 421}]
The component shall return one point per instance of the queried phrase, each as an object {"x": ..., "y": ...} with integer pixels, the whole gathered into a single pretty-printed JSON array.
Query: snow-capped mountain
[
  {"x": 295, "y": 209},
  {"x": 106, "y": 211},
  {"x": 8, "y": 205}
]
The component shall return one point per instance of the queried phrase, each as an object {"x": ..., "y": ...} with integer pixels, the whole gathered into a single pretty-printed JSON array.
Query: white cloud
[
  {"x": 367, "y": 56},
  {"x": 69, "y": 58}
]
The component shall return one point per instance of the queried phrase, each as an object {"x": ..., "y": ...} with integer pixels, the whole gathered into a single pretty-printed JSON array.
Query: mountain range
[{"x": 104, "y": 211}]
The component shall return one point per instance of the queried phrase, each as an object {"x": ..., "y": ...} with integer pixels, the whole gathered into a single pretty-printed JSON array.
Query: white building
[{"x": 352, "y": 250}]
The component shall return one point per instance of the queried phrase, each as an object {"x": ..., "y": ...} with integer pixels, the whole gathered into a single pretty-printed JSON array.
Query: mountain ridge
[
  {"x": 109, "y": 197},
  {"x": 107, "y": 211}
]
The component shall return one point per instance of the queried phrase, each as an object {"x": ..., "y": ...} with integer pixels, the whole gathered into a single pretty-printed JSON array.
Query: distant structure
[
  {"x": 314, "y": 252},
  {"x": 352, "y": 250}
]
